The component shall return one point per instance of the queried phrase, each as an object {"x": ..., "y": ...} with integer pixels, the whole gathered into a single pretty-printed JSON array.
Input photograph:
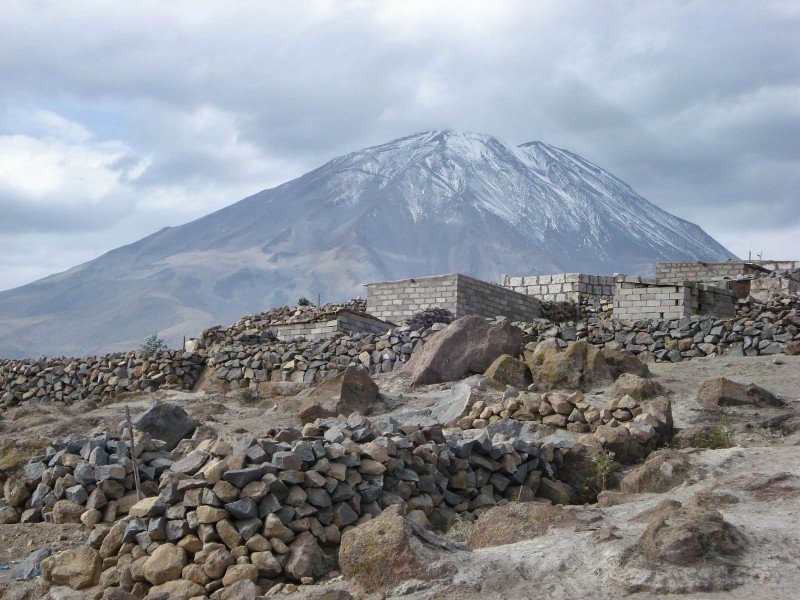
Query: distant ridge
[{"x": 430, "y": 203}]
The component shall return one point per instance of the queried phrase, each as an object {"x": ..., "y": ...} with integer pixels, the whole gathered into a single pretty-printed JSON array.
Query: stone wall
[
  {"x": 645, "y": 298},
  {"x": 396, "y": 301},
  {"x": 70, "y": 379},
  {"x": 562, "y": 287},
  {"x": 759, "y": 328},
  {"x": 344, "y": 321}
]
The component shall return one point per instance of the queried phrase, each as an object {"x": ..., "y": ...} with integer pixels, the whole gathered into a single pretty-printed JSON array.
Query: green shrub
[{"x": 717, "y": 437}]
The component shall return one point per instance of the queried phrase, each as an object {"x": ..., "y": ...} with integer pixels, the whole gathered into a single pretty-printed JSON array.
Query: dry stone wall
[
  {"x": 759, "y": 328},
  {"x": 70, "y": 379},
  {"x": 343, "y": 321},
  {"x": 274, "y": 509}
]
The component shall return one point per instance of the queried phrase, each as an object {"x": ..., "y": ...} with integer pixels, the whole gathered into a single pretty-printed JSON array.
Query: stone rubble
[{"x": 271, "y": 511}]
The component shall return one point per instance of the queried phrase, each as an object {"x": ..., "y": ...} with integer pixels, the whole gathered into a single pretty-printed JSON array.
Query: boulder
[
  {"x": 66, "y": 511},
  {"x": 622, "y": 361},
  {"x": 509, "y": 371},
  {"x": 792, "y": 348},
  {"x": 167, "y": 422},
  {"x": 165, "y": 564},
  {"x": 30, "y": 568},
  {"x": 682, "y": 536},
  {"x": 518, "y": 521},
  {"x": 662, "y": 471},
  {"x": 390, "y": 549},
  {"x": 177, "y": 589},
  {"x": 78, "y": 568},
  {"x": 306, "y": 558},
  {"x": 556, "y": 491},
  {"x": 468, "y": 345},
  {"x": 634, "y": 386},
  {"x": 352, "y": 391},
  {"x": 9, "y": 515},
  {"x": 724, "y": 392},
  {"x": 578, "y": 366}
]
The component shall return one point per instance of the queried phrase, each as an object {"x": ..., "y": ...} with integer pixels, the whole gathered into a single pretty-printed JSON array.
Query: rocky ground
[{"x": 704, "y": 522}]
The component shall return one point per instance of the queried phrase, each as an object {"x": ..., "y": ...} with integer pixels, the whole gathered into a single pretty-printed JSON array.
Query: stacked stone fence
[
  {"x": 759, "y": 328},
  {"x": 99, "y": 377},
  {"x": 273, "y": 510}
]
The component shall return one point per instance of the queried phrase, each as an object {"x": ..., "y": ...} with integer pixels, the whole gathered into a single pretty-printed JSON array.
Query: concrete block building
[
  {"x": 396, "y": 301},
  {"x": 562, "y": 287},
  {"x": 344, "y": 321},
  {"x": 638, "y": 298}
]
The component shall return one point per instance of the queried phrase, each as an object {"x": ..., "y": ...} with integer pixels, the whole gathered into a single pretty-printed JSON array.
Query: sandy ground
[{"x": 557, "y": 565}]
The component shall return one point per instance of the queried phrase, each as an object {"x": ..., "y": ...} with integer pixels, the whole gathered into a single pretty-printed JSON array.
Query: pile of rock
[
  {"x": 245, "y": 365},
  {"x": 570, "y": 311},
  {"x": 649, "y": 424},
  {"x": 249, "y": 514},
  {"x": 84, "y": 480},
  {"x": 70, "y": 379},
  {"x": 254, "y": 329},
  {"x": 426, "y": 318}
]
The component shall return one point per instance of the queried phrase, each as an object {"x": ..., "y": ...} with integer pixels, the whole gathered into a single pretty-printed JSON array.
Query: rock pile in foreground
[{"x": 274, "y": 510}]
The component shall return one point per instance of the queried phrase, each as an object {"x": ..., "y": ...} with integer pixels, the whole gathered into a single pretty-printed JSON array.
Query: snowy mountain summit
[{"x": 430, "y": 203}]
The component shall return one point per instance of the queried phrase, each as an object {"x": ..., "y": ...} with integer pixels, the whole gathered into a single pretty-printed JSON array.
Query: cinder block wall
[
  {"x": 715, "y": 301},
  {"x": 396, "y": 301},
  {"x": 345, "y": 321},
  {"x": 697, "y": 271},
  {"x": 475, "y": 297},
  {"x": 561, "y": 287},
  {"x": 637, "y": 298}
]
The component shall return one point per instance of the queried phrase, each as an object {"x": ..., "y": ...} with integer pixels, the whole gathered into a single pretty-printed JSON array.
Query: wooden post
[{"x": 136, "y": 480}]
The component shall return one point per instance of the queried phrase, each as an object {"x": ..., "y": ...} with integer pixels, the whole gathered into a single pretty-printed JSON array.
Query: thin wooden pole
[{"x": 133, "y": 456}]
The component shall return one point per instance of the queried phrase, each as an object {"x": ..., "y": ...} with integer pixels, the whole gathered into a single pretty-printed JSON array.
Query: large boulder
[
  {"x": 622, "y": 361},
  {"x": 518, "y": 521},
  {"x": 78, "y": 568},
  {"x": 165, "y": 564},
  {"x": 390, "y": 549},
  {"x": 468, "y": 345},
  {"x": 352, "y": 391},
  {"x": 662, "y": 471},
  {"x": 682, "y": 536},
  {"x": 306, "y": 558},
  {"x": 635, "y": 386},
  {"x": 724, "y": 392},
  {"x": 509, "y": 371},
  {"x": 167, "y": 422},
  {"x": 578, "y": 366}
]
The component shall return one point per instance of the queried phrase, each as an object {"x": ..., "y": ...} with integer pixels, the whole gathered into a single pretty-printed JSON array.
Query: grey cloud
[{"x": 693, "y": 104}]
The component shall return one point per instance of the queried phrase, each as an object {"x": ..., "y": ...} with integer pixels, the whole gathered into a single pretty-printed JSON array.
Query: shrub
[
  {"x": 154, "y": 344},
  {"x": 717, "y": 437}
]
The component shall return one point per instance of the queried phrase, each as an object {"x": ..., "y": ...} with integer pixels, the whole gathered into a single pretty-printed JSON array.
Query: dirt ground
[{"x": 562, "y": 565}]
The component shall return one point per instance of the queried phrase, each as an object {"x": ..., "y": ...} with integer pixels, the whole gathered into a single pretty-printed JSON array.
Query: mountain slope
[{"x": 435, "y": 202}]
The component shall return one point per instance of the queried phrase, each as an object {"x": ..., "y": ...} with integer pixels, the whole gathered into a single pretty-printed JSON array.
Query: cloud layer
[{"x": 116, "y": 123}]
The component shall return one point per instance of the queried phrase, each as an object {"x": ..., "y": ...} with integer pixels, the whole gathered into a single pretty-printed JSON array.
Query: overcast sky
[{"x": 118, "y": 119}]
